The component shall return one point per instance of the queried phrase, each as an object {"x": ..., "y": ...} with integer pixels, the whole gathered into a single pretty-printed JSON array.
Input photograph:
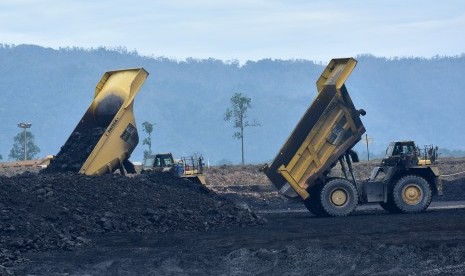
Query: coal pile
[
  {"x": 41, "y": 212},
  {"x": 75, "y": 151}
]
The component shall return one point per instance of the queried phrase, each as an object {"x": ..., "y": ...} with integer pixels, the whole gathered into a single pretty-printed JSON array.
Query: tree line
[{"x": 405, "y": 98}]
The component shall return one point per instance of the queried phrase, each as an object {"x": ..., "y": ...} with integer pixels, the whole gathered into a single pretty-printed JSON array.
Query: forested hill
[{"x": 405, "y": 98}]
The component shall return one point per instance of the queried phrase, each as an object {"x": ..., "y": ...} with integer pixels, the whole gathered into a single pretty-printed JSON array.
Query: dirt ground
[
  {"x": 67, "y": 224},
  {"x": 366, "y": 243}
]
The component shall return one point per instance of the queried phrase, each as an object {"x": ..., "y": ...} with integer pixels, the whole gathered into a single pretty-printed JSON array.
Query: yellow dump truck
[
  {"x": 106, "y": 135},
  {"x": 403, "y": 183}
]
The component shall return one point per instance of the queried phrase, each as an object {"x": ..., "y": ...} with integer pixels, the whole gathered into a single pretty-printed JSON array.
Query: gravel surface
[{"x": 377, "y": 243}]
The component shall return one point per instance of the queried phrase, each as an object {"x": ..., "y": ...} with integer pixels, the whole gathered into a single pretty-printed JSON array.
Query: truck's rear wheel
[
  {"x": 412, "y": 194},
  {"x": 313, "y": 202},
  {"x": 338, "y": 197}
]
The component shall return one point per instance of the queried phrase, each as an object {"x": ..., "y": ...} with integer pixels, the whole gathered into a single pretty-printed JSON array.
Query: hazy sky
[{"x": 240, "y": 29}]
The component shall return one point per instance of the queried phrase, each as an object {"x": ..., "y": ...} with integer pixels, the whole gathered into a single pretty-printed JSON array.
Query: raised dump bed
[
  {"x": 328, "y": 129},
  {"x": 106, "y": 135}
]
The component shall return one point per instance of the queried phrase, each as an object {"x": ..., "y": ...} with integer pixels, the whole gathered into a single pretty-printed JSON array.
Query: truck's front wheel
[
  {"x": 412, "y": 194},
  {"x": 390, "y": 206},
  {"x": 338, "y": 197}
]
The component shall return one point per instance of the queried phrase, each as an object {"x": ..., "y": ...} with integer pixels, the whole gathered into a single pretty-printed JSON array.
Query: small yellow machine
[{"x": 190, "y": 168}]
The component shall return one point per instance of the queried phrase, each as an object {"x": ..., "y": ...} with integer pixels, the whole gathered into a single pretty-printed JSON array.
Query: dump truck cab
[
  {"x": 404, "y": 157},
  {"x": 404, "y": 152},
  {"x": 158, "y": 162}
]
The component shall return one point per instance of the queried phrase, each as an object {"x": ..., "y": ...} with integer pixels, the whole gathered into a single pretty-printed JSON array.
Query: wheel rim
[
  {"x": 339, "y": 197},
  {"x": 412, "y": 194}
]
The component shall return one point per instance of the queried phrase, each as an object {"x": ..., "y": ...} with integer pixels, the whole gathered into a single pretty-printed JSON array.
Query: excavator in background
[
  {"x": 404, "y": 182},
  {"x": 190, "y": 167}
]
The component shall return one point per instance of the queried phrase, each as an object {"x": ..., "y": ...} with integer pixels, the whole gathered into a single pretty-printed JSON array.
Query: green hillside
[{"x": 405, "y": 98}]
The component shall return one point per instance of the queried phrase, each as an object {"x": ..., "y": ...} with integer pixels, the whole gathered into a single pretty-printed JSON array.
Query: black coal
[
  {"x": 75, "y": 151},
  {"x": 40, "y": 212}
]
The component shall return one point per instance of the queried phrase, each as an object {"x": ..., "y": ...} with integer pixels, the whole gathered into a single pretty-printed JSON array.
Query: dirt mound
[
  {"x": 233, "y": 175},
  {"x": 248, "y": 187},
  {"x": 41, "y": 212}
]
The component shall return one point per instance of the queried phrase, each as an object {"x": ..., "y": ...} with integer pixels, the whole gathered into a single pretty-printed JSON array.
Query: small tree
[
  {"x": 238, "y": 112},
  {"x": 17, "y": 151},
  {"x": 148, "y": 128}
]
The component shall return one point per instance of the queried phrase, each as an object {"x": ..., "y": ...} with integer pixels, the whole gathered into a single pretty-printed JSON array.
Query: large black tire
[
  {"x": 313, "y": 202},
  {"x": 338, "y": 197},
  {"x": 412, "y": 194},
  {"x": 390, "y": 206}
]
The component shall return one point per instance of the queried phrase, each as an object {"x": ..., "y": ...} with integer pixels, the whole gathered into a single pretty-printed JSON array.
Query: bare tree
[
  {"x": 238, "y": 113},
  {"x": 148, "y": 128}
]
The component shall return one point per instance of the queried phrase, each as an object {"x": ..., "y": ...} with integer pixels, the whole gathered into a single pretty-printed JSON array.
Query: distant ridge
[{"x": 405, "y": 98}]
